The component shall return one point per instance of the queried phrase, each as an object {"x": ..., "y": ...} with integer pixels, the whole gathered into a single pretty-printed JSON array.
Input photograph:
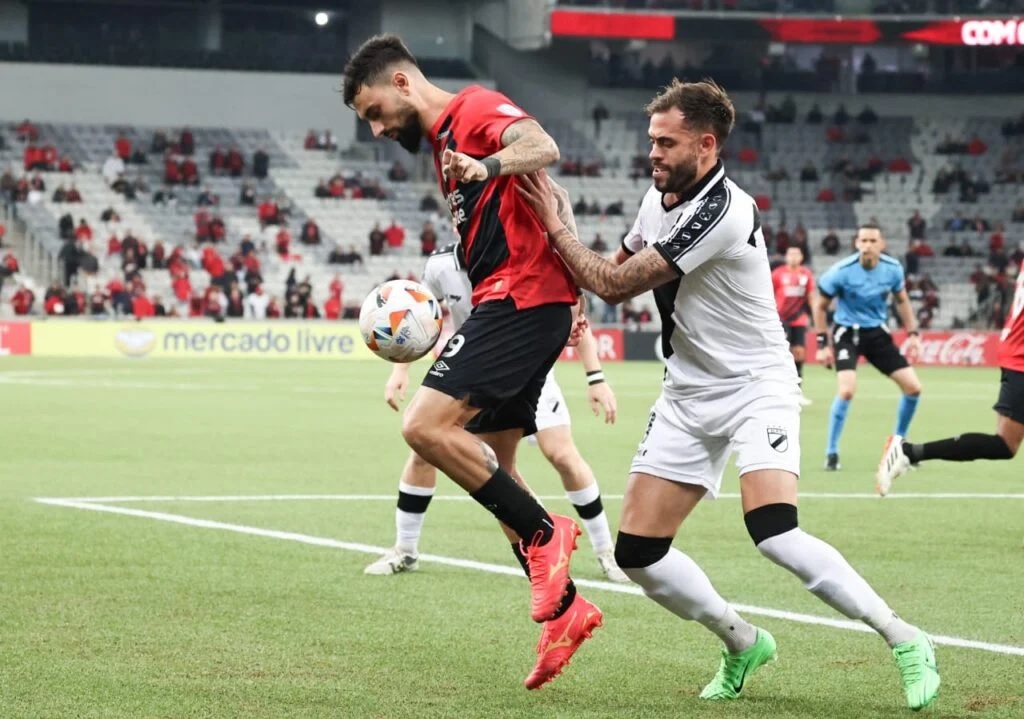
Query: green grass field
[{"x": 110, "y": 615}]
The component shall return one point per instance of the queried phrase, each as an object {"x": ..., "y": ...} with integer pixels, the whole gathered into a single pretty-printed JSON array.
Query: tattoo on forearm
[
  {"x": 526, "y": 148},
  {"x": 490, "y": 458},
  {"x": 613, "y": 283}
]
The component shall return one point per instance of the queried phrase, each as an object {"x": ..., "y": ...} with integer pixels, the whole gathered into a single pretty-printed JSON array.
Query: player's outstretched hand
[
  {"x": 538, "y": 193},
  {"x": 394, "y": 389},
  {"x": 825, "y": 357},
  {"x": 602, "y": 398},
  {"x": 462, "y": 168}
]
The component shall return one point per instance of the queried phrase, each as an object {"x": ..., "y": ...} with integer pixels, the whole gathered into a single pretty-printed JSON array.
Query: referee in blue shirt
[{"x": 861, "y": 285}]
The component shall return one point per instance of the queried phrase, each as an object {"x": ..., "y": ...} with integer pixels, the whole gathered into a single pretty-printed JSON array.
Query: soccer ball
[{"x": 400, "y": 320}]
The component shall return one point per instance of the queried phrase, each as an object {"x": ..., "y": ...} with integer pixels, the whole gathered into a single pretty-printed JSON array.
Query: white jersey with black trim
[
  {"x": 444, "y": 275},
  {"x": 719, "y": 320}
]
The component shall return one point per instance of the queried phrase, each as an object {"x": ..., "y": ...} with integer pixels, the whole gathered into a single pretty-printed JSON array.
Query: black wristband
[
  {"x": 822, "y": 340},
  {"x": 493, "y": 166}
]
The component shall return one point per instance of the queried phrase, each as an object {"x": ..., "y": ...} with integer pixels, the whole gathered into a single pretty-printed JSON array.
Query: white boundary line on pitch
[
  {"x": 466, "y": 497},
  {"x": 497, "y": 569}
]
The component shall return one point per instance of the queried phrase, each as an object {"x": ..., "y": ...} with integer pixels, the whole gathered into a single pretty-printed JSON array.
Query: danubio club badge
[{"x": 778, "y": 438}]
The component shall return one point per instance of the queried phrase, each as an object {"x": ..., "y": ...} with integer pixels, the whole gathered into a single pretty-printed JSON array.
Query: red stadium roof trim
[{"x": 633, "y": 26}]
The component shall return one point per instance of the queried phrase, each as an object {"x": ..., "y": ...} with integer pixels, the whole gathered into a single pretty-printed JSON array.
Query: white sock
[
  {"x": 409, "y": 525},
  {"x": 598, "y": 531},
  {"x": 828, "y": 576},
  {"x": 678, "y": 584}
]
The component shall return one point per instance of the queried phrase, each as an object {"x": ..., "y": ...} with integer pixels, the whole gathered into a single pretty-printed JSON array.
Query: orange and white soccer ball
[{"x": 400, "y": 320}]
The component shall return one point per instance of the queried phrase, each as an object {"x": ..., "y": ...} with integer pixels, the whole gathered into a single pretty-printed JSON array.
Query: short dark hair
[
  {"x": 704, "y": 104},
  {"x": 870, "y": 226},
  {"x": 374, "y": 57}
]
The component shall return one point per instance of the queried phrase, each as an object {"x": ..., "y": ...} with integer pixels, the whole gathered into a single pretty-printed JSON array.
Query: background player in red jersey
[
  {"x": 794, "y": 289},
  {"x": 900, "y": 455},
  {"x": 480, "y": 397}
]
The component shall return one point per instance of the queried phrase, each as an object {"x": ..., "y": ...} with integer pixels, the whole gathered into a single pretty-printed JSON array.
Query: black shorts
[
  {"x": 873, "y": 343},
  {"x": 796, "y": 336},
  {"x": 1011, "y": 395},
  {"x": 498, "y": 361}
]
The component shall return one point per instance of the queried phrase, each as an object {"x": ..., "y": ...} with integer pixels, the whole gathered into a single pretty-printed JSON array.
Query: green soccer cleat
[
  {"x": 735, "y": 668},
  {"x": 920, "y": 674}
]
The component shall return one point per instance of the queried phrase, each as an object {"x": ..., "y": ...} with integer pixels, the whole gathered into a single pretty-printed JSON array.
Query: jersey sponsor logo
[
  {"x": 510, "y": 110},
  {"x": 778, "y": 438}
]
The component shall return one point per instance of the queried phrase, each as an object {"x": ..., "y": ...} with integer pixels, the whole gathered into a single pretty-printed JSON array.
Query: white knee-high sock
[
  {"x": 409, "y": 524},
  {"x": 587, "y": 502},
  {"x": 678, "y": 584},
  {"x": 828, "y": 576}
]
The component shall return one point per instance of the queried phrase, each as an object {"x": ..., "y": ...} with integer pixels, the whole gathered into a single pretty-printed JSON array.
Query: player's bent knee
[
  {"x": 635, "y": 552},
  {"x": 798, "y": 353},
  {"x": 846, "y": 393},
  {"x": 769, "y": 521}
]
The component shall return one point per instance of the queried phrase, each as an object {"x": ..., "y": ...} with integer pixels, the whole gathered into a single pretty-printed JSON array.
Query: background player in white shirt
[
  {"x": 446, "y": 277},
  {"x": 730, "y": 386}
]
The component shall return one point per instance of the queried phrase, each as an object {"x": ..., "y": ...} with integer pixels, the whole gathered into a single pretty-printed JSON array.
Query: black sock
[
  {"x": 965, "y": 448},
  {"x": 570, "y": 588},
  {"x": 799, "y": 369},
  {"x": 413, "y": 503},
  {"x": 517, "y": 549},
  {"x": 515, "y": 507},
  {"x": 589, "y": 511}
]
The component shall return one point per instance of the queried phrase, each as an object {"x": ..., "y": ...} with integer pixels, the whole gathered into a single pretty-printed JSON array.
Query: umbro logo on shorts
[
  {"x": 778, "y": 438},
  {"x": 439, "y": 368}
]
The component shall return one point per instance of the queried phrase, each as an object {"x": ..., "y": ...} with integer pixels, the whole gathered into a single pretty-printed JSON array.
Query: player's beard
[
  {"x": 409, "y": 134},
  {"x": 679, "y": 178}
]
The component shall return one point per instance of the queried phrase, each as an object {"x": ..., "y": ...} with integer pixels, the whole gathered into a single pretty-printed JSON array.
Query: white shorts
[
  {"x": 689, "y": 440},
  {"x": 551, "y": 408}
]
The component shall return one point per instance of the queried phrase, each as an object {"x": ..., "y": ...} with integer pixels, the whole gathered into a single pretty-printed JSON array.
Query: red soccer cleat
[
  {"x": 560, "y": 639},
  {"x": 549, "y": 568}
]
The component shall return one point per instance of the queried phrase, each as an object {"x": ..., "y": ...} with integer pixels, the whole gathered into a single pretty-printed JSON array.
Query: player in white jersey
[
  {"x": 446, "y": 277},
  {"x": 730, "y": 386}
]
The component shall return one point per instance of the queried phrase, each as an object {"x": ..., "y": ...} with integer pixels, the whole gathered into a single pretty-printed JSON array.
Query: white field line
[
  {"x": 67, "y": 378},
  {"x": 466, "y": 497},
  {"x": 498, "y": 569}
]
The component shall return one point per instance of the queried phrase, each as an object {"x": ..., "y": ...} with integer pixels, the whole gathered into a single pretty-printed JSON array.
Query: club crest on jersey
[{"x": 778, "y": 438}]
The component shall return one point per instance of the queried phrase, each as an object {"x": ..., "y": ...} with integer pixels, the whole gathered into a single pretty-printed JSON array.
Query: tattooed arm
[
  {"x": 526, "y": 147},
  {"x": 611, "y": 281}
]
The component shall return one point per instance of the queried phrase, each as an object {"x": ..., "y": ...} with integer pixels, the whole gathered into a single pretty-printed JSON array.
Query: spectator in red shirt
[
  {"x": 394, "y": 234},
  {"x": 236, "y": 163},
  {"x": 273, "y": 309},
  {"x": 310, "y": 143},
  {"x": 141, "y": 305},
  {"x": 997, "y": 242},
  {"x": 49, "y": 155},
  {"x": 187, "y": 142},
  {"x": 920, "y": 248},
  {"x": 310, "y": 233},
  {"x": 22, "y": 300},
  {"x": 218, "y": 161},
  {"x": 73, "y": 195},
  {"x": 337, "y": 285},
  {"x": 113, "y": 245},
  {"x": 217, "y": 229},
  {"x": 172, "y": 172},
  {"x": 282, "y": 241},
  {"x": 213, "y": 263},
  {"x": 268, "y": 213},
  {"x": 189, "y": 172},
  {"x": 27, "y": 131},
  {"x": 332, "y": 308},
  {"x": 83, "y": 233},
  {"x": 65, "y": 164},
  {"x": 11, "y": 264},
  {"x": 33, "y": 158},
  {"x": 123, "y": 147}
]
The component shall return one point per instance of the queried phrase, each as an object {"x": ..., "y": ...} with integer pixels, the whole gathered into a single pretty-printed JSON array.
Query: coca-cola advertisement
[{"x": 961, "y": 348}]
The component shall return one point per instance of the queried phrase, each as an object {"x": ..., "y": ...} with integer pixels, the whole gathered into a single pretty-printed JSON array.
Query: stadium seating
[{"x": 766, "y": 162}]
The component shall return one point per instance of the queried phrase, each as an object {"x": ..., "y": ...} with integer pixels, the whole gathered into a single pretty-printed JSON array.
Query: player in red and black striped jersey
[
  {"x": 488, "y": 379},
  {"x": 899, "y": 454}
]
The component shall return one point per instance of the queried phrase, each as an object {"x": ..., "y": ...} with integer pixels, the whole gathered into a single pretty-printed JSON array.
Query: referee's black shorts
[
  {"x": 873, "y": 343},
  {"x": 1011, "y": 395},
  {"x": 498, "y": 361}
]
